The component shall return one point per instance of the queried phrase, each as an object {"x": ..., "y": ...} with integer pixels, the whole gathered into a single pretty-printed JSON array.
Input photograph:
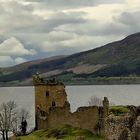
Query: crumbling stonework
[
  {"x": 124, "y": 127},
  {"x": 136, "y": 129},
  {"x": 117, "y": 126},
  {"x": 53, "y": 109}
]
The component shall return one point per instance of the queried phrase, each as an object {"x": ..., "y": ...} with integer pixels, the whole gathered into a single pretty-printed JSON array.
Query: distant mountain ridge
[{"x": 116, "y": 59}]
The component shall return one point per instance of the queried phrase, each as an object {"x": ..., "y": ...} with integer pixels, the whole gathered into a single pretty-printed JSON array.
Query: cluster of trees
[{"x": 12, "y": 120}]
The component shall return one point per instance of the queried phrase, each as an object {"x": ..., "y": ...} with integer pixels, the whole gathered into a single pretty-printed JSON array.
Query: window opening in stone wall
[
  {"x": 47, "y": 93},
  {"x": 53, "y": 103}
]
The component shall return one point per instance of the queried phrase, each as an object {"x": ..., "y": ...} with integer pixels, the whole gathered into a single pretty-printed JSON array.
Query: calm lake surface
[{"x": 77, "y": 95}]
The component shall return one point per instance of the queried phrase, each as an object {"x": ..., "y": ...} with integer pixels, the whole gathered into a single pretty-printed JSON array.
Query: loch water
[{"x": 77, "y": 96}]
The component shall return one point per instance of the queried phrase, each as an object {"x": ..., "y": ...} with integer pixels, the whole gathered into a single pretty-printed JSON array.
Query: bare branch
[
  {"x": 11, "y": 118},
  {"x": 95, "y": 101}
]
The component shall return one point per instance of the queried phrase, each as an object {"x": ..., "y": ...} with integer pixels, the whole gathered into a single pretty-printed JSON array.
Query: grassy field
[{"x": 62, "y": 133}]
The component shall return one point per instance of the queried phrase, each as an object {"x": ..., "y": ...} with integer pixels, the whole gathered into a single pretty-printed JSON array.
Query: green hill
[
  {"x": 116, "y": 59},
  {"x": 64, "y": 133}
]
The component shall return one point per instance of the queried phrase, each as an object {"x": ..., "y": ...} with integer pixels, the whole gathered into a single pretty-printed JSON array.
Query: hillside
[{"x": 116, "y": 59}]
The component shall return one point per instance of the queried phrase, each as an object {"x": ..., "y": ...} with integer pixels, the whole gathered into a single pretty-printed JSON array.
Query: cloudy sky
[{"x": 33, "y": 29}]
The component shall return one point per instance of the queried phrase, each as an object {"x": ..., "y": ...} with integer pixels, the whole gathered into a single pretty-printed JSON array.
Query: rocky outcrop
[
  {"x": 136, "y": 129},
  {"x": 124, "y": 127}
]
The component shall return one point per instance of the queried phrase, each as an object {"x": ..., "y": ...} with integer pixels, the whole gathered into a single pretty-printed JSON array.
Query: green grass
[
  {"x": 66, "y": 132},
  {"x": 119, "y": 110}
]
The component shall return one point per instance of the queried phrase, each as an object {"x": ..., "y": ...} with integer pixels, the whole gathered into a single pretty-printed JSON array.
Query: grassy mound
[
  {"x": 66, "y": 132},
  {"x": 119, "y": 110}
]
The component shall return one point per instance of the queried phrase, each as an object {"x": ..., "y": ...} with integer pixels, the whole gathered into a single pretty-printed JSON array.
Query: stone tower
[
  {"x": 106, "y": 107},
  {"x": 48, "y": 94}
]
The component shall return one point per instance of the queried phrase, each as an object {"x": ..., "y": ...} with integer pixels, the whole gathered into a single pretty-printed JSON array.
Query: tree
[
  {"x": 95, "y": 101},
  {"x": 8, "y": 116},
  {"x": 11, "y": 119}
]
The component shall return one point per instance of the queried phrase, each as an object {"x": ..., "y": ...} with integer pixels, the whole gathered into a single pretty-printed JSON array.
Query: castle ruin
[{"x": 52, "y": 109}]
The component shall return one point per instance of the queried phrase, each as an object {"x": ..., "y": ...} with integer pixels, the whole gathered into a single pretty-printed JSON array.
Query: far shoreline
[{"x": 80, "y": 81}]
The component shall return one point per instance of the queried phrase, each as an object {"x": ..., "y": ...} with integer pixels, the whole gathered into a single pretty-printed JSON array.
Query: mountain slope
[{"x": 120, "y": 58}]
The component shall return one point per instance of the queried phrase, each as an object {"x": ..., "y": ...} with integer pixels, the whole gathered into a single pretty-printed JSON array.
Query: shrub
[{"x": 119, "y": 110}]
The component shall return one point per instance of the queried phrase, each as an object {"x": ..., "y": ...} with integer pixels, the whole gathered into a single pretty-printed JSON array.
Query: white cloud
[
  {"x": 132, "y": 5},
  {"x": 12, "y": 47},
  {"x": 15, "y": 17},
  {"x": 70, "y": 4},
  {"x": 6, "y": 61},
  {"x": 102, "y": 13},
  {"x": 60, "y": 36},
  {"x": 12, "y": 52},
  {"x": 54, "y": 27},
  {"x": 49, "y": 46},
  {"x": 20, "y": 60},
  {"x": 77, "y": 43}
]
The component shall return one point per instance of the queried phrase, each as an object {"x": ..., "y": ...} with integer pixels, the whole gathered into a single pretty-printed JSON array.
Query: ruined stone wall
[
  {"x": 116, "y": 127},
  {"x": 125, "y": 127},
  {"x": 84, "y": 117},
  {"x": 136, "y": 129},
  {"x": 52, "y": 108},
  {"x": 87, "y": 117}
]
